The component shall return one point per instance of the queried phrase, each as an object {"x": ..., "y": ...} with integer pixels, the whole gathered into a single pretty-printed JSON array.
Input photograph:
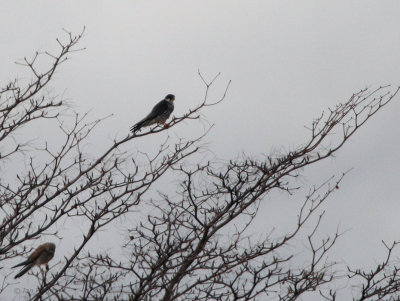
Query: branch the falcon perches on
[
  {"x": 159, "y": 114},
  {"x": 42, "y": 255}
]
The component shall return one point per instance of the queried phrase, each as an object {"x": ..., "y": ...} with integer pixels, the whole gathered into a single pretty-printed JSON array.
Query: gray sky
[{"x": 288, "y": 61}]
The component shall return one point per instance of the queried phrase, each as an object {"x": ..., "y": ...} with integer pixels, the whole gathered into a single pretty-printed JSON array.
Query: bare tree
[{"x": 182, "y": 249}]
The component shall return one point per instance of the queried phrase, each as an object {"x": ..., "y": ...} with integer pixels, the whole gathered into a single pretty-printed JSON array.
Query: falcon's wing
[
  {"x": 32, "y": 258},
  {"x": 156, "y": 111}
]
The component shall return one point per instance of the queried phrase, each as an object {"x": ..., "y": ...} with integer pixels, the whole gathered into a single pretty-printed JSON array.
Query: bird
[
  {"x": 159, "y": 114},
  {"x": 42, "y": 255}
]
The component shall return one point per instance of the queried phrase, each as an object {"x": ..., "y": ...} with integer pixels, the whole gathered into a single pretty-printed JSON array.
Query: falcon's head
[
  {"x": 170, "y": 97},
  {"x": 50, "y": 247}
]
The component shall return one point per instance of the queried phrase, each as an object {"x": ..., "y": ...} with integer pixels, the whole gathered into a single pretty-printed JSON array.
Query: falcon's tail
[
  {"x": 21, "y": 264},
  {"x": 137, "y": 126},
  {"x": 140, "y": 124},
  {"x": 24, "y": 270}
]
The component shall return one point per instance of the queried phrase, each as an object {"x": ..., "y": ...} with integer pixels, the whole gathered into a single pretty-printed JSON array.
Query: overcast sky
[{"x": 288, "y": 61}]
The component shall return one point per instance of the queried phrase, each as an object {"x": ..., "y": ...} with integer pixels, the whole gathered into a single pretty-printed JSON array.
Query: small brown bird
[{"x": 42, "y": 255}]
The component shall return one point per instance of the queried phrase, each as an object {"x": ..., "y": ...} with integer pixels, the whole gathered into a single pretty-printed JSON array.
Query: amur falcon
[
  {"x": 159, "y": 114},
  {"x": 42, "y": 255}
]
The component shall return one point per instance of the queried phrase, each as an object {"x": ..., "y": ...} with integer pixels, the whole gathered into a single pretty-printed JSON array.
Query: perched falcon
[
  {"x": 159, "y": 114},
  {"x": 41, "y": 255}
]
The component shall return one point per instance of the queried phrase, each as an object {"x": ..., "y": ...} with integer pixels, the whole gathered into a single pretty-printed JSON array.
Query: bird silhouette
[
  {"x": 159, "y": 114},
  {"x": 42, "y": 255}
]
